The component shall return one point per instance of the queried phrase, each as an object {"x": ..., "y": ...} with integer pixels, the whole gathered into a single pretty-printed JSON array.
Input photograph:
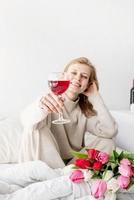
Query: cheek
[
  {"x": 69, "y": 76},
  {"x": 84, "y": 87},
  {"x": 85, "y": 83}
]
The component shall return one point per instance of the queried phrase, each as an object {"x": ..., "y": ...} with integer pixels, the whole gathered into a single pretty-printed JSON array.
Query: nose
[{"x": 78, "y": 76}]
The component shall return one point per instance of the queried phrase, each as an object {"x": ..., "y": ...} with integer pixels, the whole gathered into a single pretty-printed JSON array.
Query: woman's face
[{"x": 78, "y": 75}]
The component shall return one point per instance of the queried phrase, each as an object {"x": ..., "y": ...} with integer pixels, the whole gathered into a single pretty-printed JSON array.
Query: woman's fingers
[
  {"x": 92, "y": 89},
  {"x": 57, "y": 100},
  {"x": 51, "y": 103},
  {"x": 43, "y": 106}
]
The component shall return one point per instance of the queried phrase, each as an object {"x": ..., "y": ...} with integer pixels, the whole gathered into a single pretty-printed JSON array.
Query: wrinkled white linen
[
  {"x": 26, "y": 173},
  {"x": 36, "y": 180}
]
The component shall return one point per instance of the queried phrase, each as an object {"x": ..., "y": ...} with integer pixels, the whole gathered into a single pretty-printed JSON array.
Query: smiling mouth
[{"x": 76, "y": 84}]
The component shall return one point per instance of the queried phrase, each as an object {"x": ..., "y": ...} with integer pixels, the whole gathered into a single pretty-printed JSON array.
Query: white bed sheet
[
  {"x": 6, "y": 165},
  {"x": 38, "y": 174}
]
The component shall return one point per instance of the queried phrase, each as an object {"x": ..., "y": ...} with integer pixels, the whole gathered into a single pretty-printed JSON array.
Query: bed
[{"x": 10, "y": 137}]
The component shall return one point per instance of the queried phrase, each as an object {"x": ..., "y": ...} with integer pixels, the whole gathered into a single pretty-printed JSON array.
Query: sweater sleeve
[
  {"x": 32, "y": 115},
  {"x": 103, "y": 124}
]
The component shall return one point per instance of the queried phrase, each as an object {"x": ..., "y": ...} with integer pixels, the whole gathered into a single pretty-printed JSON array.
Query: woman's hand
[
  {"x": 51, "y": 103},
  {"x": 91, "y": 90}
]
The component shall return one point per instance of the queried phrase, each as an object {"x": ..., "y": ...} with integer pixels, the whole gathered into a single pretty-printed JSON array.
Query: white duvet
[{"x": 34, "y": 180}]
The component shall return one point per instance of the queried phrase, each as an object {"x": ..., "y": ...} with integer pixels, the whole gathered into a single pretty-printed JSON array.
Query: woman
[{"x": 83, "y": 105}]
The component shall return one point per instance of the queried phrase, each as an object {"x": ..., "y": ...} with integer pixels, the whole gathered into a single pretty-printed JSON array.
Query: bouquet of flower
[{"x": 106, "y": 173}]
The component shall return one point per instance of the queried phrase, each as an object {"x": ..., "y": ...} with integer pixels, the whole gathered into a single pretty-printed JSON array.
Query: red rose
[
  {"x": 82, "y": 163},
  {"x": 97, "y": 166},
  {"x": 92, "y": 153}
]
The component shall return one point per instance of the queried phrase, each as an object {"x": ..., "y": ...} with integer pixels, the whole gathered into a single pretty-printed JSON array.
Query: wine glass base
[{"x": 62, "y": 121}]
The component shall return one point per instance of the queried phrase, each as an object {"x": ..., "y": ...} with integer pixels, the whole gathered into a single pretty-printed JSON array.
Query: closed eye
[
  {"x": 84, "y": 76},
  {"x": 74, "y": 73}
]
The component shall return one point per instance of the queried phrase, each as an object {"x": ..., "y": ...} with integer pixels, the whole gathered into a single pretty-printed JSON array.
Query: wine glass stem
[
  {"x": 60, "y": 116},
  {"x": 60, "y": 113}
]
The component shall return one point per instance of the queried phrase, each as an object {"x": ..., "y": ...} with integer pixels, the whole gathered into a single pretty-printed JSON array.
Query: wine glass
[{"x": 58, "y": 83}]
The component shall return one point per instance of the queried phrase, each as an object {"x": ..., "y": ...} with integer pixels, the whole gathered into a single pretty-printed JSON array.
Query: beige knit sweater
[{"x": 46, "y": 141}]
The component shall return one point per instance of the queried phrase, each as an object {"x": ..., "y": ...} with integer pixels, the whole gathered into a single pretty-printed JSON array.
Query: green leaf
[
  {"x": 112, "y": 158},
  {"x": 130, "y": 156},
  {"x": 75, "y": 167},
  {"x": 79, "y": 155},
  {"x": 96, "y": 174},
  {"x": 132, "y": 161},
  {"x": 104, "y": 173},
  {"x": 113, "y": 166},
  {"x": 121, "y": 156},
  {"x": 125, "y": 154},
  {"x": 116, "y": 155}
]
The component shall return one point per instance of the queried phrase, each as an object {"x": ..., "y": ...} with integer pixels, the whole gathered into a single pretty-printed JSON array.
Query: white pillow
[{"x": 10, "y": 135}]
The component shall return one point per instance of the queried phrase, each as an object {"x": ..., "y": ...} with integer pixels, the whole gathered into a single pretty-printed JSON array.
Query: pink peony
[
  {"x": 98, "y": 188},
  {"x": 125, "y": 161},
  {"x": 125, "y": 170},
  {"x": 103, "y": 157},
  {"x": 77, "y": 176},
  {"x": 123, "y": 182}
]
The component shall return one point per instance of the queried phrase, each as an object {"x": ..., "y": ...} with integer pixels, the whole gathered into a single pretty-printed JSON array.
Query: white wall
[{"x": 39, "y": 36}]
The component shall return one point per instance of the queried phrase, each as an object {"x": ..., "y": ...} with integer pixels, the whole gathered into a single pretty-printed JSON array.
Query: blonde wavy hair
[{"x": 85, "y": 105}]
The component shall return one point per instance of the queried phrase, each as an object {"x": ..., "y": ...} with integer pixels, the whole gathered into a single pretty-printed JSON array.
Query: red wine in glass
[
  {"x": 58, "y": 87},
  {"x": 58, "y": 83}
]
